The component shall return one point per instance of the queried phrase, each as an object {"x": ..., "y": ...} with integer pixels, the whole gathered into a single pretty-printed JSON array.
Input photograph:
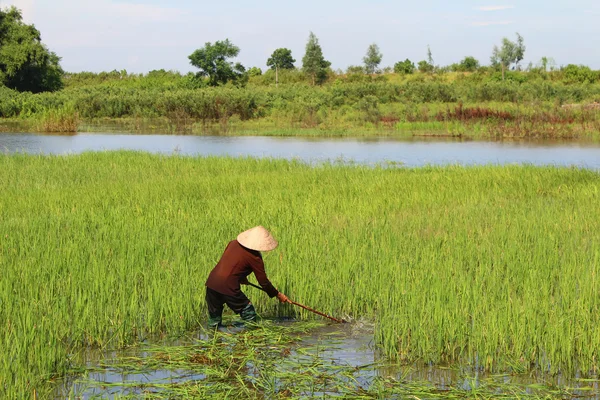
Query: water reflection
[
  {"x": 327, "y": 347},
  {"x": 410, "y": 152}
]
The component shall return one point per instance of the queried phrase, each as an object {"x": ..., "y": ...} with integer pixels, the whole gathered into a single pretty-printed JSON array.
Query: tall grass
[
  {"x": 118, "y": 100},
  {"x": 530, "y": 109},
  {"x": 62, "y": 120},
  {"x": 492, "y": 266}
]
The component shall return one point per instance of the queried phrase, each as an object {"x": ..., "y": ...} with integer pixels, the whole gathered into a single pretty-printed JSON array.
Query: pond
[{"x": 409, "y": 152}]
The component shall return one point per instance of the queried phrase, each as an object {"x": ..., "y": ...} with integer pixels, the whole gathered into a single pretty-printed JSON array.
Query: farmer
[{"x": 240, "y": 258}]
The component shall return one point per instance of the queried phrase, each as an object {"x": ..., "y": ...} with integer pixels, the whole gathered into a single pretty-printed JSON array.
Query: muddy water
[
  {"x": 348, "y": 345},
  {"x": 330, "y": 346}
]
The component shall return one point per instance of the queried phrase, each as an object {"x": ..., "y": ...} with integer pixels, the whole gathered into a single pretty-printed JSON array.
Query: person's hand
[{"x": 282, "y": 298}]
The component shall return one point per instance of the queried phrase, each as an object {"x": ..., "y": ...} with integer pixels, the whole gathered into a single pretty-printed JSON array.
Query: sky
[{"x": 143, "y": 35}]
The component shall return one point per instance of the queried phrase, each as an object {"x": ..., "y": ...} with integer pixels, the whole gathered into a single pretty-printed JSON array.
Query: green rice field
[{"x": 495, "y": 267}]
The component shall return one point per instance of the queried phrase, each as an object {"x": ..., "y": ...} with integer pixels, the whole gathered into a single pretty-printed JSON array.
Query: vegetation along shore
[{"x": 502, "y": 99}]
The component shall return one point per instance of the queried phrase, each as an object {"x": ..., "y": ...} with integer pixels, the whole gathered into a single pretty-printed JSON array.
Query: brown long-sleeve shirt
[{"x": 236, "y": 263}]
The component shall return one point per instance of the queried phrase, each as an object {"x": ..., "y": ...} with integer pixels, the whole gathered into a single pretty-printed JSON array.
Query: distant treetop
[{"x": 213, "y": 62}]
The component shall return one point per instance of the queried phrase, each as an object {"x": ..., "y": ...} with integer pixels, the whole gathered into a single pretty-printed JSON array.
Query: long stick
[{"x": 339, "y": 321}]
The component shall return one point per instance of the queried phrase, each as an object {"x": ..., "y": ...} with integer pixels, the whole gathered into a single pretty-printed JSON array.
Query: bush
[
  {"x": 468, "y": 64},
  {"x": 369, "y": 106},
  {"x": 254, "y": 71},
  {"x": 424, "y": 66},
  {"x": 404, "y": 67},
  {"x": 580, "y": 74},
  {"x": 165, "y": 94},
  {"x": 355, "y": 69}
]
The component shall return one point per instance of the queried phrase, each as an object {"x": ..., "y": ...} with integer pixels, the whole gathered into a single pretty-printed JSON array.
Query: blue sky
[{"x": 102, "y": 35}]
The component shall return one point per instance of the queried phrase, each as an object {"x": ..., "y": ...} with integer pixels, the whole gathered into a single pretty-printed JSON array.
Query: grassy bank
[
  {"x": 449, "y": 104},
  {"x": 471, "y": 120},
  {"x": 496, "y": 267}
]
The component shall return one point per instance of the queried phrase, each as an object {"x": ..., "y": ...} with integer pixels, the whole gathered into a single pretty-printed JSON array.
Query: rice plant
[{"x": 494, "y": 267}]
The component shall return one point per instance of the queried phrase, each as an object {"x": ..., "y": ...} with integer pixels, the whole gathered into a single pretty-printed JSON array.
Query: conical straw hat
[{"x": 257, "y": 238}]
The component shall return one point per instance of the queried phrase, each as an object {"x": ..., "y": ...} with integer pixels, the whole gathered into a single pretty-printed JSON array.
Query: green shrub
[
  {"x": 404, "y": 67},
  {"x": 580, "y": 74}
]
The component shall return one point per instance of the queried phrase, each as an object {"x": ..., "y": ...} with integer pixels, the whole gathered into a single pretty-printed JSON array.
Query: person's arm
[{"x": 258, "y": 267}]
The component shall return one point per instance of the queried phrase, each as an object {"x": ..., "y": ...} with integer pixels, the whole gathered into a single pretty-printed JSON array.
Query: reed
[
  {"x": 397, "y": 119},
  {"x": 495, "y": 267},
  {"x": 62, "y": 120}
]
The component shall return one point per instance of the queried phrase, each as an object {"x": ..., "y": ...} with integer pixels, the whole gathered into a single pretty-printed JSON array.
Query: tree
[
  {"x": 468, "y": 64},
  {"x": 546, "y": 62},
  {"x": 254, "y": 71},
  {"x": 313, "y": 62},
  {"x": 281, "y": 59},
  {"x": 427, "y": 66},
  {"x": 212, "y": 60},
  {"x": 424, "y": 66},
  {"x": 26, "y": 64},
  {"x": 429, "y": 56},
  {"x": 404, "y": 67},
  {"x": 510, "y": 53},
  {"x": 372, "y": 59}
]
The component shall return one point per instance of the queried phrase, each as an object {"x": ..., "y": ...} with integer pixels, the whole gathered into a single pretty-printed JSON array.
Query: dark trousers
[
  {"x": 215, "y": 302},
  {"x": 238, "y": 303}
]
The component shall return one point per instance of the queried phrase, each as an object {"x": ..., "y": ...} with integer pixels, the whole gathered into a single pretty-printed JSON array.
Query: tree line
[
  {"x": 26, "y": 64},
  {"x": 212, "y": 60}
]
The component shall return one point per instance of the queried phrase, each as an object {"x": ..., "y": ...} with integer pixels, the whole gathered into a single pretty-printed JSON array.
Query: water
[
  {"x": 333, "y": 349},
  {"x": 349, "y": 345},
  {"x": 409, "y": 152}
]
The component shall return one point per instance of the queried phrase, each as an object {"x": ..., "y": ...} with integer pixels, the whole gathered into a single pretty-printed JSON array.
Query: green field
[{"x": 495, "y": 267}]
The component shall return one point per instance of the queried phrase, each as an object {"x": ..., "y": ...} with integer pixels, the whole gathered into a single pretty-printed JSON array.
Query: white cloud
[
  {"x": 494, "y": 8},
  {"x": 488, "y": 23}
]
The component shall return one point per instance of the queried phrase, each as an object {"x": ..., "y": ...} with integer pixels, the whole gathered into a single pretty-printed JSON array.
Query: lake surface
[{"x": 409, "y": 152}]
